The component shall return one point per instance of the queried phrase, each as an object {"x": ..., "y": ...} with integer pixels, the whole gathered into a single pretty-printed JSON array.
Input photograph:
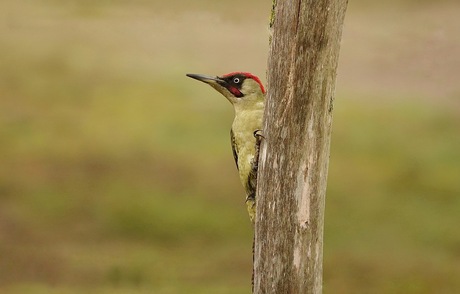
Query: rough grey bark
[{"x": 294, "y": 155}]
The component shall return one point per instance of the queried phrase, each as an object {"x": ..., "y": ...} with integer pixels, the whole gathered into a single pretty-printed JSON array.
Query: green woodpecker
[{"x": 247, "y": 95}]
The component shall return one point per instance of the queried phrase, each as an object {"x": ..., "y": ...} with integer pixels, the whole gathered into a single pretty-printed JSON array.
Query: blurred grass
[{"x": 116, "y": 174}]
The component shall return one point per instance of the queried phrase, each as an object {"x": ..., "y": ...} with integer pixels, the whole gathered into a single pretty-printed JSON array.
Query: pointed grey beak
[{"x": 206, "y": 79}]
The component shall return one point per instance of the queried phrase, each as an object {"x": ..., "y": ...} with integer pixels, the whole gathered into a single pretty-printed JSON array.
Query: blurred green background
[{"x": 116, "y": 174}]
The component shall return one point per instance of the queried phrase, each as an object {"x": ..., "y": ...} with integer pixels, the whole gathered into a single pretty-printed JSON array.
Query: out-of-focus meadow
[{"x": 116, "y": 174}]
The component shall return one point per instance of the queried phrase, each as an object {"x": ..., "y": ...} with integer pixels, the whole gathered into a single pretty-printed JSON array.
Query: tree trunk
[{"x": 294, "y": 154}]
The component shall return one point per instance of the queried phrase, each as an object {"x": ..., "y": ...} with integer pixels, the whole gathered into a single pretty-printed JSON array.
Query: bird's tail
[{"x": 251, "y": 206}]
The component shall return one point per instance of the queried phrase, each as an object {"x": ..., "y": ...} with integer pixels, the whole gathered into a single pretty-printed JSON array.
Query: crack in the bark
[{"x": 299, "y": 4}]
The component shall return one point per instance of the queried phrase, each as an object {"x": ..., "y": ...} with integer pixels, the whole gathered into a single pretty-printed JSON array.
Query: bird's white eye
[{"x": 236, "y": 80}]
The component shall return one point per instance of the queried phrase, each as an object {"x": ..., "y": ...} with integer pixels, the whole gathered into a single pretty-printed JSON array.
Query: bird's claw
[
  {"x": 255, "y": 161},
  {"x": 258, "y": 135}
]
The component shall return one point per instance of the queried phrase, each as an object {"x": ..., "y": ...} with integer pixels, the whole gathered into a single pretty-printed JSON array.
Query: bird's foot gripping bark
[{"x": 255, "y": 162}]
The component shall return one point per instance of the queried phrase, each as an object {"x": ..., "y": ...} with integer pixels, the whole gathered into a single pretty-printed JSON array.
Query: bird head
[{"x": 237, "y": 87}]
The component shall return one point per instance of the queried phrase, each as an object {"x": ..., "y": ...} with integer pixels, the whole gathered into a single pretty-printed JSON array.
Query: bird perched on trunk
[{"x": 247, "y": 95}]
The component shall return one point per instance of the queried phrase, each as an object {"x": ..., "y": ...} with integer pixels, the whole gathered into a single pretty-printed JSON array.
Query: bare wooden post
[{"x": 294, "y": 155}]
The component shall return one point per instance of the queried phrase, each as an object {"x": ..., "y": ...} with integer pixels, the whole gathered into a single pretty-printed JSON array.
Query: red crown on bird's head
[{"x": 247, "y": 75}]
